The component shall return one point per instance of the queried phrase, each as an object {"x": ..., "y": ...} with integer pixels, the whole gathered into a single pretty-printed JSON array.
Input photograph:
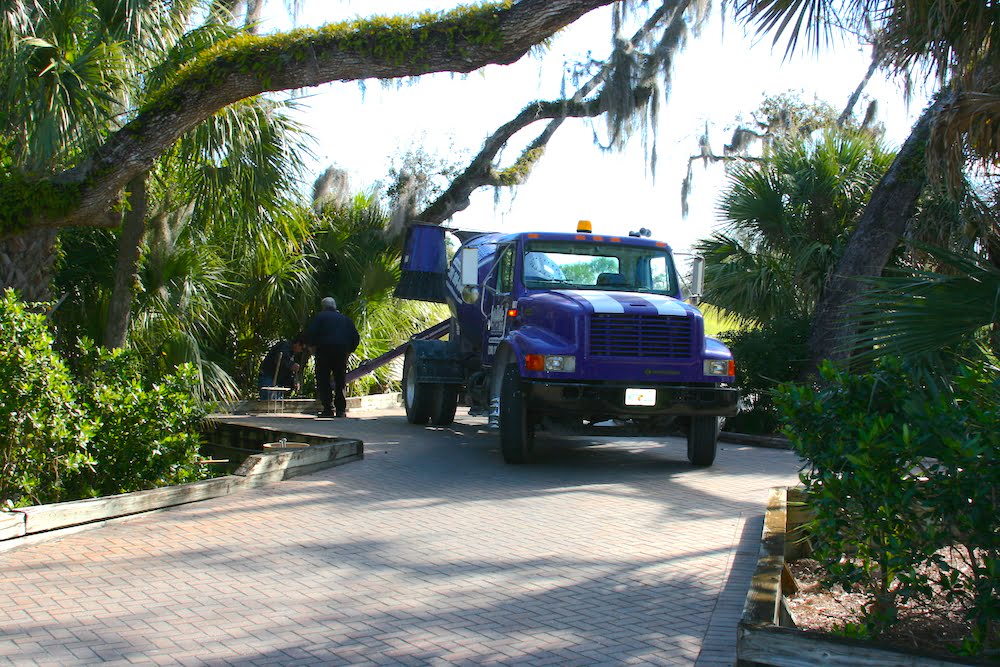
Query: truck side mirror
[
  {"x": 470, "y": 274},
  {"x": 697, "y": 279}
]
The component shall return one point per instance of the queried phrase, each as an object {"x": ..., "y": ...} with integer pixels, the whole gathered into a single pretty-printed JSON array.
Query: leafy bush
[
  {"x": 963, "y": 501},
  {"x": 44, "y": 434},
  {"x": 147, "y": 434},
  {"x": 899, "y": 471},
  {"x": 765, "y": 356},
  {"x": 99, "y": 429}
]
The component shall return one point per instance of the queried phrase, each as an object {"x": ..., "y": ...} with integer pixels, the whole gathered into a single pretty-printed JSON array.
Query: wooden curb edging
[
  {"x": 310, "y": 405},
  {"x": 19, "y": 525},
  {"x": 766, "y": 634}
]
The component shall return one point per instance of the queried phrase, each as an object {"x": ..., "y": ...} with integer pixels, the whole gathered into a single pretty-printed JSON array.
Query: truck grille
[{"x": 621, "y": 335}]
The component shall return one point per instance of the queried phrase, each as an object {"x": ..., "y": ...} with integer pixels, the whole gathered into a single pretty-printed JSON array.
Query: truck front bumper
[{"x": 586, "y": 400}]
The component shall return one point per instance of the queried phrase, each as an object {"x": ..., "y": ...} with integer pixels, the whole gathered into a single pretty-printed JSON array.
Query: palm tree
[
  {"x": 950, "y": 40},
  {"x": 786, "y": 221},
  {"x": 232, "y": 172},
  {"x": 65, "y": 73},
  {"x": 359, "y": 266}
]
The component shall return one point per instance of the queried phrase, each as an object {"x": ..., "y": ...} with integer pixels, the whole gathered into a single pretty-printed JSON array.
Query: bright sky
[{"x": 719, "y": 76}]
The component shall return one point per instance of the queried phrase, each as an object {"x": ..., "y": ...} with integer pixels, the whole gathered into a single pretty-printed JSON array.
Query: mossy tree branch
[
  {"x": 384, "y": 48},
  {"x": 482, "y": 171}
]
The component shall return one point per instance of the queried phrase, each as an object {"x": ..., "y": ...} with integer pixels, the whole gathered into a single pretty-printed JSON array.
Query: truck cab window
[
  {"x": 659, "y": 274},
  {"x": 505, "y": 272},
  {"x": 597, "y": 266}
]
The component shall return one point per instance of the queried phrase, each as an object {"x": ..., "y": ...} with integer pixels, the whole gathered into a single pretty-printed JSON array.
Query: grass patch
[{"x": 716, "y": 321}]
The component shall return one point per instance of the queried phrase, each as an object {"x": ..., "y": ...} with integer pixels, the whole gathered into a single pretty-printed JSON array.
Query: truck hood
[{"x": 633, "y": 303}]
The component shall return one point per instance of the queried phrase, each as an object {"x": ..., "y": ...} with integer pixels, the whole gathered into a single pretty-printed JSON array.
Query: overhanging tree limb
[
  {"x": 460, "y": 41},
  {"x": 481, "y": 171}
]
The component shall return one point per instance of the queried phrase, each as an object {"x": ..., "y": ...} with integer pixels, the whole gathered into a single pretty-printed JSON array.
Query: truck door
[{"x": 498, "y": 297}]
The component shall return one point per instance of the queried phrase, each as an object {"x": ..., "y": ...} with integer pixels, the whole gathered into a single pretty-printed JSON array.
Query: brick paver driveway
[{"x": 431, "y": 551}]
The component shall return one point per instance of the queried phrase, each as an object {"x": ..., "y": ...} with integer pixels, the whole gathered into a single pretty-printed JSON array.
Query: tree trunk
[
  {"x": 26, "y": 262},
  {"x": 845, "y": 115},
  {"x": 127, "y": 265},
  {"x": 883, "y": 222}
]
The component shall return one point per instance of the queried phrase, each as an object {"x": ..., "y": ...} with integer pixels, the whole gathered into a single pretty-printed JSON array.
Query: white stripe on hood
[
  {"x": 614, "y": 302},
  {"x": 600, "y": 301}
]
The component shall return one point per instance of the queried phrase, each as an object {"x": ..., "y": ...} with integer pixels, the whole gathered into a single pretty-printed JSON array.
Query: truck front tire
[
  {"x": 417, "y": 398},
  {"x": 703, "y": 438},
  {"x": 517, "y": 432}
]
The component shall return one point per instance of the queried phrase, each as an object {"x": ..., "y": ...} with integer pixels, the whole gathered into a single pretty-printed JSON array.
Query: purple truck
[{"x": 567, "y": 332}]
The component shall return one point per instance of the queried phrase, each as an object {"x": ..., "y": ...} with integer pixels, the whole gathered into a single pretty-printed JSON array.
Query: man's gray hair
[{"x": 328, "y": 303}]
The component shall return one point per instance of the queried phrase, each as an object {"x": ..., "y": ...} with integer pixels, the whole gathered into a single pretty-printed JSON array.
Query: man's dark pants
[{"x": 331, "y": 360}]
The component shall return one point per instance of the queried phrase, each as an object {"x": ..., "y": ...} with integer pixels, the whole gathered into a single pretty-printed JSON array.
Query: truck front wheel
[
  {"x": 703, "y": 438},
  {"x": 517, "y": 432},
  {"x": 417, "y": 398}
]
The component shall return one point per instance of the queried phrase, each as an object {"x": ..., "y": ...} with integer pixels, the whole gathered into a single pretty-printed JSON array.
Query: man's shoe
[
  {"x": 326, "y": 413},
  {"x": 342, "y": 415}
]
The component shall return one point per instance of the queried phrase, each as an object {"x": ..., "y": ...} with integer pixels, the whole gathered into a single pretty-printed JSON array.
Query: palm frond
[
  {"x": 786, "y": 220},
  {"x": 793, "y": 20},
  {"x": 748, "y": 285},
  {"x": 970, "y": 125},
  {"x": 926, "y": 312}
]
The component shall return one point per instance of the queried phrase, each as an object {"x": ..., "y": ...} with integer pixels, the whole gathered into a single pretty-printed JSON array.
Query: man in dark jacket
[
  {"x": 279, "y": 369},
  {"x": 333, "y": 337}
]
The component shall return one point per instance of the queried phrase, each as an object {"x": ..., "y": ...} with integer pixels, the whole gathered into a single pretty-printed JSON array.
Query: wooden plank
[
  {"x": 257, "y": 470},
  {"x": 282, "y": 463},
  {"x": 784, "y": 647},
  {"x": 11, "y": 525},
  {"x": 788, "y": 584},
  {"x": 41, "y": 518},
  {"x": 763, "y": 601},
  {"x": 797, "y": 543},
  {"x": 236, "y": 433}
]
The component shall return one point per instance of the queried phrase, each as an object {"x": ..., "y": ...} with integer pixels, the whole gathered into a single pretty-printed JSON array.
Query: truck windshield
[{"x": 603, "y": 266}]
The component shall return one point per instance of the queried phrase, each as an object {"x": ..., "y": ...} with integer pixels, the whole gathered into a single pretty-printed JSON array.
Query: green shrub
[
  {"x": 101, "y": 429},
  {"x": 44, "y": 434},
  {"x": 147, "y": 434},
  {"x": 765, "y": 356},
  {"x": 900, "y": 472},
  {"x": 963, "y": 500}
]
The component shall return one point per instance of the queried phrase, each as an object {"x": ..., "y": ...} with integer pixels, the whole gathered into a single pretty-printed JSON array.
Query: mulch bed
[{"x": 933, "y": 627}]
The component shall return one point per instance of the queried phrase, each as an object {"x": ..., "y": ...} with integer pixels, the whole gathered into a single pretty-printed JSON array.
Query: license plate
[{"x": 635, "y": 396}]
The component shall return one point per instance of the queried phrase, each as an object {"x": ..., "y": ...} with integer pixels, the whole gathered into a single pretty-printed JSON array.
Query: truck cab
[{"x": 572, "y": 332}]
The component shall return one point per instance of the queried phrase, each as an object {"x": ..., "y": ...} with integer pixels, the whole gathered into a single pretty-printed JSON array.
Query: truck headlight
[
  {"x": 552, "y": 363},
  {"x": 720, "y": 367}
]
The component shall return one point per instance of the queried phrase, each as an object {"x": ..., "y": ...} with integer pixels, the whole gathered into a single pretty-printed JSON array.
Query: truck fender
[
  {"x": 716, "y": 349},
  {"x": 539, "y": 341}
]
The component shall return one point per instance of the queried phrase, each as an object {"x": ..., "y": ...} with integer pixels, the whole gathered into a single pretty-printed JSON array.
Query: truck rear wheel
[
  {"x": 517, "y": 432},
  {"x": 444, "y": 404},
  {"x": 417, "y": 398},
  {"x": 703, "y": 438}
]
